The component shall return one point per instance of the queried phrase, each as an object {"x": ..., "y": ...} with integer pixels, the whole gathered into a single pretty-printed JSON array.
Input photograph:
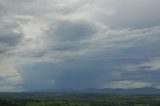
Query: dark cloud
[
  {"x": 2, "y": 78},
  {"x": 67, "y": 35},
  {"x": 78, "y": 43},
  {"x": 76, "y": 74},
  {"x": 71, "y": 31},
  {"x": 100, "y": 69},
  {"x": 37, "y": 77},
  {"x": 9, "y": 38}
]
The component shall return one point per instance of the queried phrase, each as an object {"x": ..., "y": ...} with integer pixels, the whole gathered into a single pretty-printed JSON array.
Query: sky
[{"x": 79, "y": 44}]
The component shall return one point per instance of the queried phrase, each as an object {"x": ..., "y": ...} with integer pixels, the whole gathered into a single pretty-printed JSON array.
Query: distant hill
[{"x": 107, "y": 91}]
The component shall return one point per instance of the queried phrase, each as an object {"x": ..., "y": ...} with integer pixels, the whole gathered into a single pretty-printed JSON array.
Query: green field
[{"x": 75, "y": 99}]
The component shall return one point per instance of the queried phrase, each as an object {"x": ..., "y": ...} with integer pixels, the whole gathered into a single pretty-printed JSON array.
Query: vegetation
[{"x": 75, "y": 99}]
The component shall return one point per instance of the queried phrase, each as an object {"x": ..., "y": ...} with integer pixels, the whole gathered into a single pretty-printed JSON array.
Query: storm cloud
[
  {"x": 79, "y": 44},
  {"x": 9, "y": 38}
]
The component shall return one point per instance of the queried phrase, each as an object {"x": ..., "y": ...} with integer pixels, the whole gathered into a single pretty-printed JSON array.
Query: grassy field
[{"x": 75, "y": 99}]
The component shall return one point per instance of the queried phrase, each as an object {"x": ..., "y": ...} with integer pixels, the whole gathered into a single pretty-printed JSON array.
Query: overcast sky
[{"x": 78, "y": 44}]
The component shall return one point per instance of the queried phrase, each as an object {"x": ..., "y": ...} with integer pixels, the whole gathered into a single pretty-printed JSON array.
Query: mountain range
[{"x": 107, "y": 91}]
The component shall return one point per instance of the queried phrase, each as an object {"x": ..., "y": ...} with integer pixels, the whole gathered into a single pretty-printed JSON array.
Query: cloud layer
[{"x": 79, "y": 44}]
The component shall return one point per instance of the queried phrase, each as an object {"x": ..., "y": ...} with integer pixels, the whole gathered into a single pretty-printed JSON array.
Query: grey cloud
[
  {"x": 8, "y": 84},
  {"x": 44, "y": 9},
  {"x": 135, "y": 14},
  {"x": 80, "y": 74},
  {"x": 67, "y": 35},
  {"x": 8, "y": 37},
  {"x": 98, "y": 68},
  {"x": 92, "y": 44},
  {"x": 72, "y": 31},
  {"x": 40, "y": 77},
  {"x": 2, "y": 78},
  {"x": 95, "y": 69}
]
